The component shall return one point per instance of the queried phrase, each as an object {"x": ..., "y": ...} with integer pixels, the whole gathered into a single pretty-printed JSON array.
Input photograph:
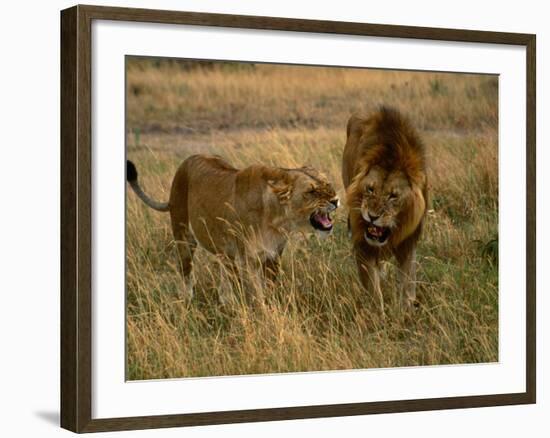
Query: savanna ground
[{"x": 317, "y": 317}]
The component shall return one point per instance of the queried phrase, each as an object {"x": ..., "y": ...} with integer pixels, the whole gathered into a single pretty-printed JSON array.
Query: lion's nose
[{"x": 372, "y": 217}]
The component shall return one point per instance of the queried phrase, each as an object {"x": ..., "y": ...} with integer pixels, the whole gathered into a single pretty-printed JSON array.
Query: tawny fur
[
  {"x": 243, "y": 215},
  {"x": 384, "y": 157}
]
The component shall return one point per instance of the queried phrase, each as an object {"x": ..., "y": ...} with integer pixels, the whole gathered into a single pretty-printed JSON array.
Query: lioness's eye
[
  {"x": 311, "y": 192},
  {"x": 393, "y": 196}
]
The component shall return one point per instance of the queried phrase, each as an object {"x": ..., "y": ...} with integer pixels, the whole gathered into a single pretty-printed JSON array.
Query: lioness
[
  {"x": 384, "y": 172},
  {"x": 243, "y": 215}
]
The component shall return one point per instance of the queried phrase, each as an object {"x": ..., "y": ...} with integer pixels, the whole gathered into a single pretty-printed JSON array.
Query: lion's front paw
[
  {"x": 410, "y": 308},
  {"x": 188, "y": 291}
]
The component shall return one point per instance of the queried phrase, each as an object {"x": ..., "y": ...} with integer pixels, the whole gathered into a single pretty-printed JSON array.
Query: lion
[
  {"x": 384, "y": 174},
  {"x": 244, "y": 216}
]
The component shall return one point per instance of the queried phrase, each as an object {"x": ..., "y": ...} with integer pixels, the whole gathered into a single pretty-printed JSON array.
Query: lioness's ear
[{"x": 281, "y": 188}]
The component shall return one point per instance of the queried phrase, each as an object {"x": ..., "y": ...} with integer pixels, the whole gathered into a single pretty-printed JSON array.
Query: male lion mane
[{"x": 386, "y": 139}]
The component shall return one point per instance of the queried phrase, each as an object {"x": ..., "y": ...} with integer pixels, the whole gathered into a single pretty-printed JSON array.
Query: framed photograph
[{"x": 269, "y": 218}]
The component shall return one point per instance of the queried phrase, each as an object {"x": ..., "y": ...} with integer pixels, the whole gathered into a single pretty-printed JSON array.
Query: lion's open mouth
[
  {"x": 376, "y": 233},
  {"x": 321, "y": 221}
]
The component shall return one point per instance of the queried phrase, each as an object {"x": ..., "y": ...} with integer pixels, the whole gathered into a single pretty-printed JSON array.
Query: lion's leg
[
  {"x": 407, "y": 277},
  {"x": 369, "y": 274},
  {"x": 271, "y": 268}
]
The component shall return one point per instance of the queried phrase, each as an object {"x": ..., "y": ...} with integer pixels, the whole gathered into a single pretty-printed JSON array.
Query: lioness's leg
[
  {"x": 272, "y": 265},
  {"x": 229, "y": 283},
  {"x": 369, "y": 274},
  {"x": 179, "y": 215},
  {"x": 186, "y": 245},
  {"x": 254, "y": 280},
  {"x": 240, "y": 281},
  {"x": 407, "y": 276}
]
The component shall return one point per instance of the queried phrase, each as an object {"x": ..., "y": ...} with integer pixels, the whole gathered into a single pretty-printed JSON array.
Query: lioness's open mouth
[
  {"x": 376, "y": 233},
  {"x": 321, "y": 221}
]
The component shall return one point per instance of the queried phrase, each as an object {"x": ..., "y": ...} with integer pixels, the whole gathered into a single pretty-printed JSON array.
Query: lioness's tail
[{"x": 132, "y": 178}]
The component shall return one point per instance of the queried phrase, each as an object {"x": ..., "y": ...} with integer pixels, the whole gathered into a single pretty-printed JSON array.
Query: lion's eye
[
  {"x": 370, "y": 189},
  {"x": 393, "y": 196}
]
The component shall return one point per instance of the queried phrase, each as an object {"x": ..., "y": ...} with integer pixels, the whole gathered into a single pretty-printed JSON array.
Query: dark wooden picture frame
[{"x": 76, "y": 218}]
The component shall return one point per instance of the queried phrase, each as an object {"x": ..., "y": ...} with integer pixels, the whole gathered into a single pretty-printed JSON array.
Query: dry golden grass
[{"x": 317, "y": 317}]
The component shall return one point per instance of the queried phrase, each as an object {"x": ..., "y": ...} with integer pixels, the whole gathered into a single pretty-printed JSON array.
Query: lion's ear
[
  {"x": 281, "y": 188},
  {"x": 354, "y": 191},
  {"x": 357, "y": 179}
]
